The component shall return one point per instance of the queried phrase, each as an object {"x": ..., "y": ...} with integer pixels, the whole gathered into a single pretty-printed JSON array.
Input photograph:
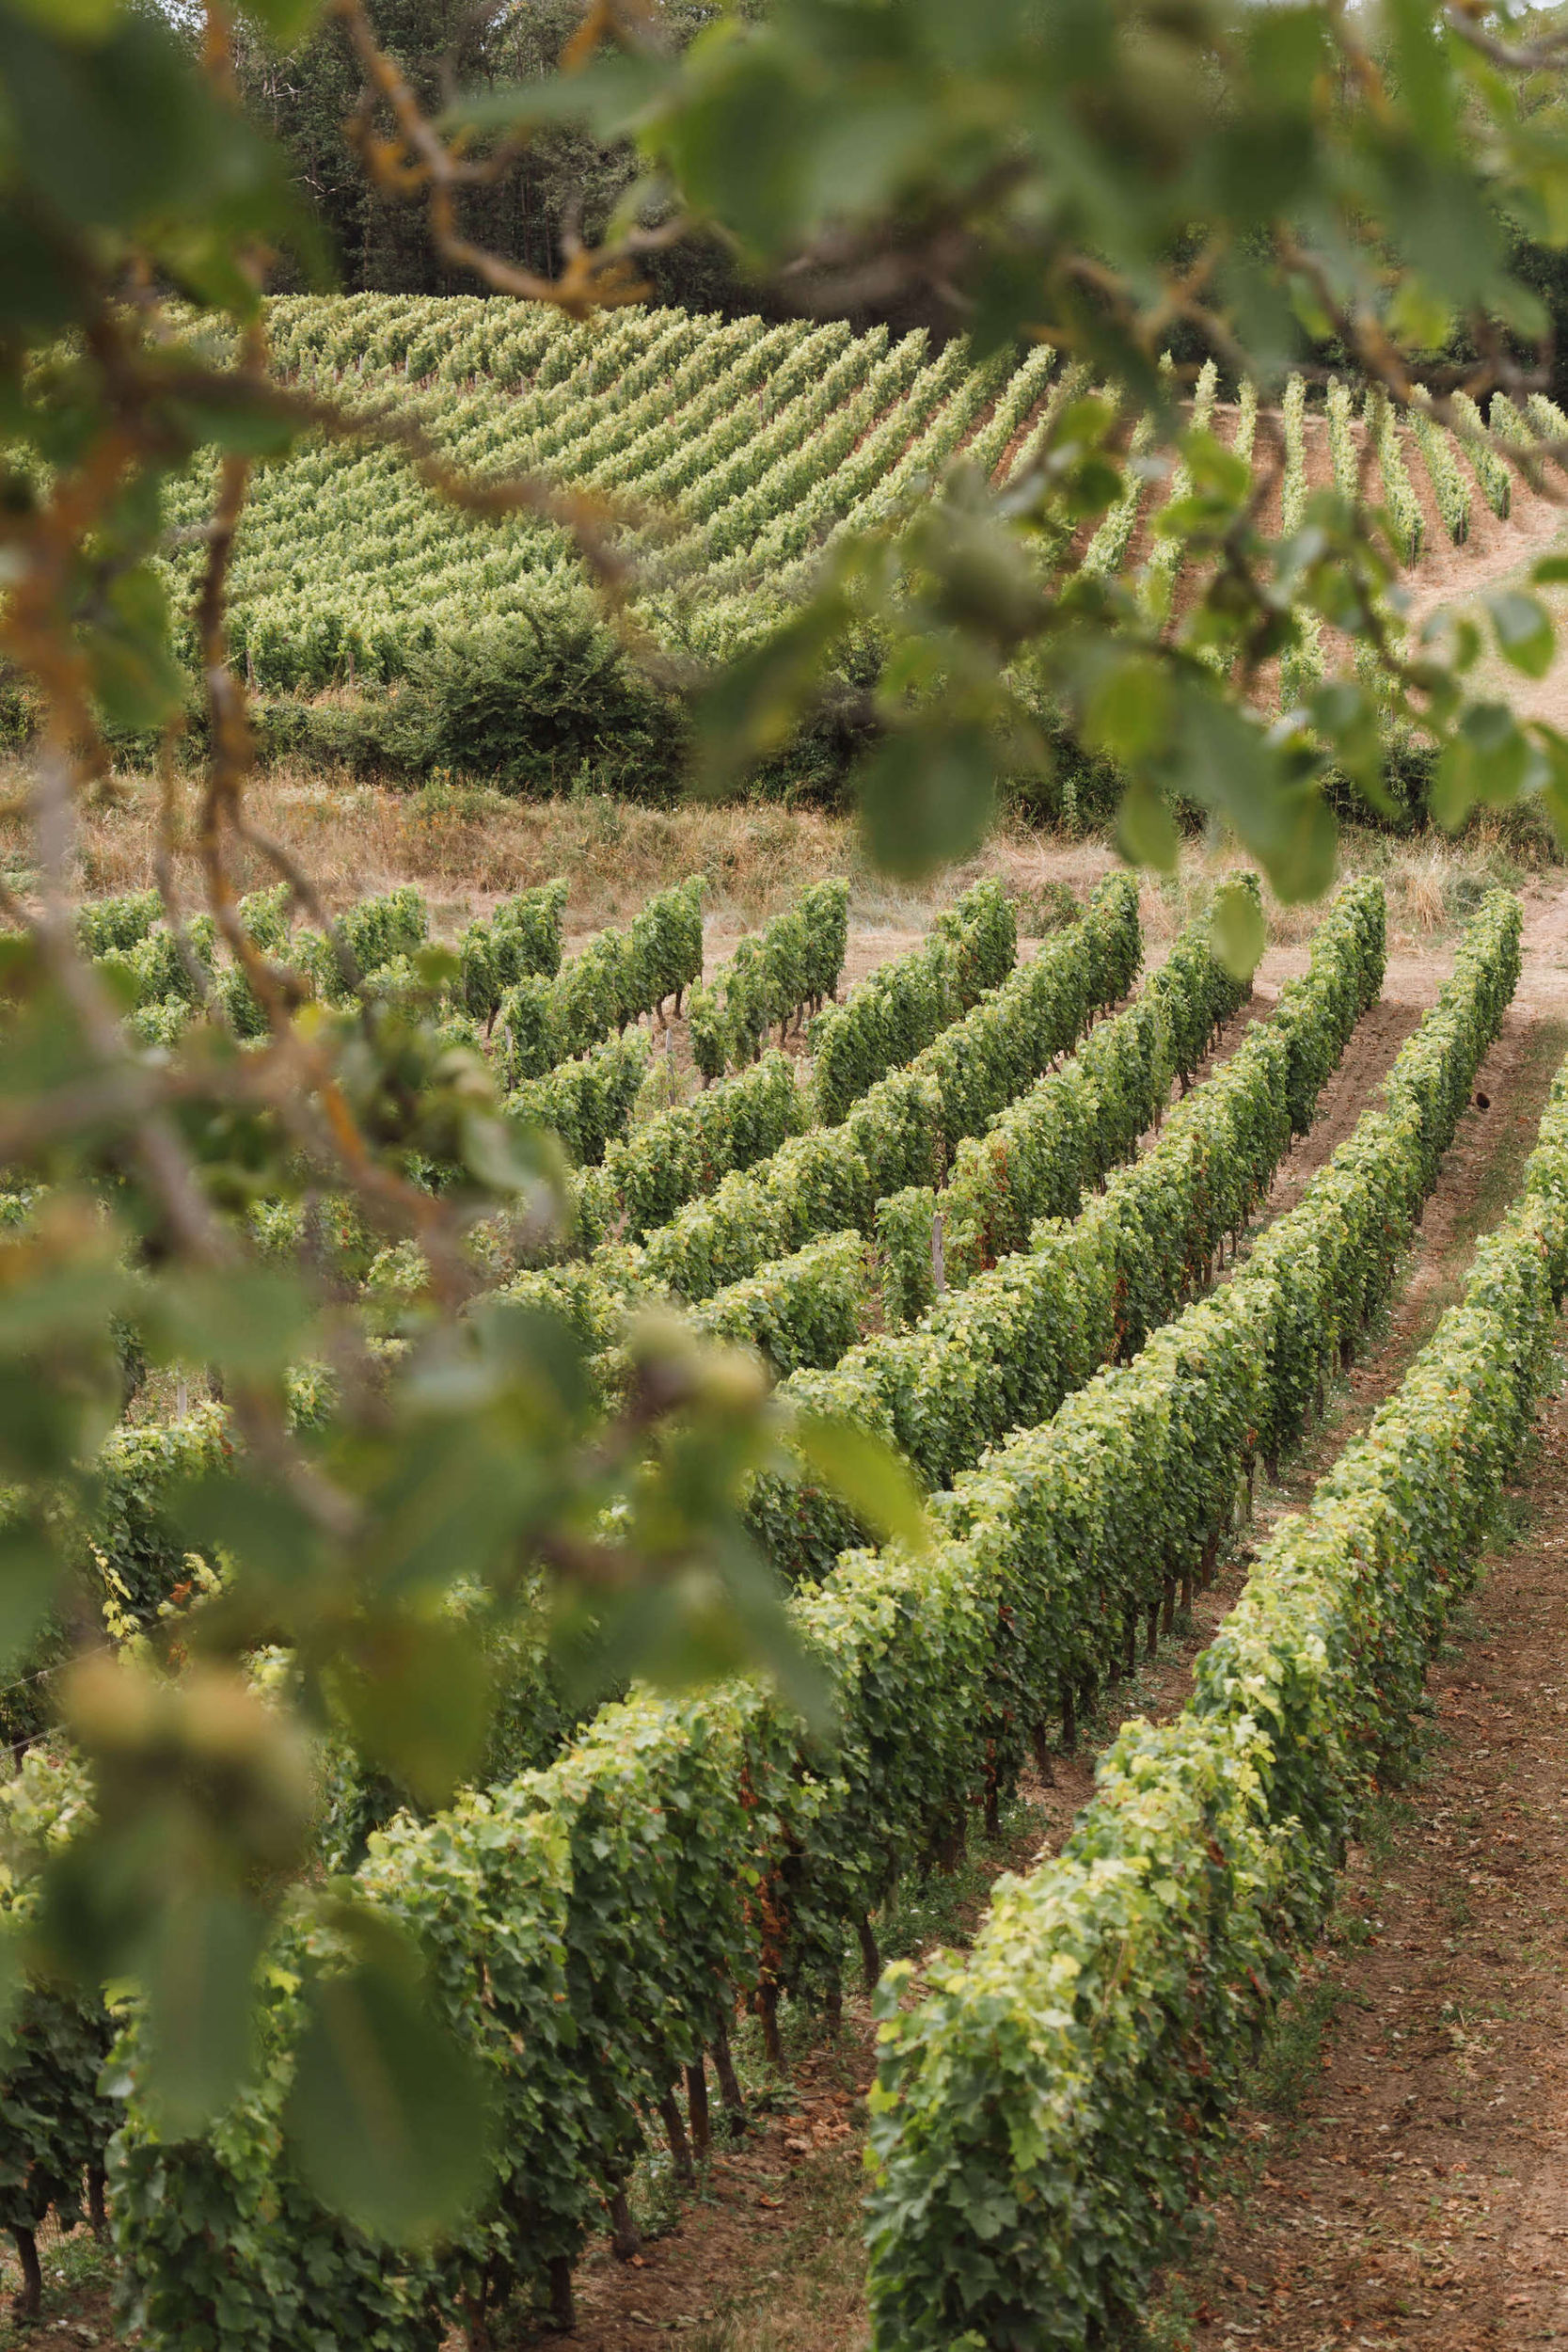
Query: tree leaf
[
  {"x": 416, "y": 1696},
  {"x": 250, "y": 1320},
  {"x": 869, "y": 1475},
  {"x": 199, "y": 1975},
  {"x": 926, "y": 795},
  {"x": 29, "y": 1571},
  {"x": 388, "y": 2114},
  {"x": 1523, "y": 632},
  {"x": 1236, "y": 930},
  {"x": 1146, "y": 828}
]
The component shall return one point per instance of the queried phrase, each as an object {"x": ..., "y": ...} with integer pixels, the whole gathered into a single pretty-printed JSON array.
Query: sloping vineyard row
[
  {"x": 136, "y": 1563},
  {"x": 731, "y": 1771},
  {"x": 1045, "y": 2119},
  {"x": 745, "y": 447}
]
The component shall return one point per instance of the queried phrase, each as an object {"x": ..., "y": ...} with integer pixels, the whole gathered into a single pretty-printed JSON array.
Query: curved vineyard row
[
  {"x": 1043, "y": 2121},
  {"x": 557, "y": 1872},
  {"x": 743, "y": 448}
]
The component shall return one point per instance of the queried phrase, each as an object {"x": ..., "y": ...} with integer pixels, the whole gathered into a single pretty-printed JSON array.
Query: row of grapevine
[
  {"x": 904, "y": 1005},
  {"x": 1164, "y": 563},
  {"x": 1490, "y": 472},
  {"x": 618, "y": 976},
  {"x": 1003, "y": 1354},
  {"x": 1063, "y": 1133},
  {"x": 1449, "y": 486},
  {"x": 1044, "y": 2121},
  {"x": 608, "y": 1896},
  {"x": 682, "y": 1155},
  {"x": 901, "y": 1130},
  {"x": 1399, "y": 495},
  {"x": 792, "y": 969},
  {"x": 736, "y": 1125},
  {"x": 742, "y": 447}
]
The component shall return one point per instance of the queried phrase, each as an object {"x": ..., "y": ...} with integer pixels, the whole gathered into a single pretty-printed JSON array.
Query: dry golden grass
[{"x": 464, "y": 846}]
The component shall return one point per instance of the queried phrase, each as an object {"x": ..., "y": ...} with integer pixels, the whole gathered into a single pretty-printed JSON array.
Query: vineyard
[
  {"x": 783, "y": 1177},
  {"x": 725, "y": 459},
  {"x": 1010, "y": 1206}
]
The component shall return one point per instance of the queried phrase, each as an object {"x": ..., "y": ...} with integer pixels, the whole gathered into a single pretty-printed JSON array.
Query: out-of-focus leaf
[
  {"x": 388, "y": 2115},
  {"x": 1485, "y": 760},
  {"x": 1236, "y": 928},
  {"x": 608, "y": 92},
  {"x": 13, "y": 1981},
  {"x": 258, "y": 1524},
  {"x": 285, "y": 21},
  {"x": 753, "y": 706},
  {"x": 1146, "y": 828},
  {"x": 1216, "y": 468},
  {"x": 417, "y": 1698},
  {"x": 29, "y": 1571},
  {"x": 869, "y": 1475},
  {"x": 1127, "y": 712},
  {"x": 926, "y": 797},
  {"x": 74, "y": 18},
  {"x": 200, "y": 1977},
  {"x": 250, "y": 1320},
  {"x": 739, "y": 146},
  {"x": 1523, "y": 632}
]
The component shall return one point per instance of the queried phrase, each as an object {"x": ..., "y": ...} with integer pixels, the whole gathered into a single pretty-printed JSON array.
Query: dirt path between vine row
[{"x": 1417, "y": 2195}]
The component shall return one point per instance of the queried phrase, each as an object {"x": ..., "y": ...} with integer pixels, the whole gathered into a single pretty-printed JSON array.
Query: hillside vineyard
[
  {"x": 731, "y": 453},
  {"x": 622, "y": 1875}
]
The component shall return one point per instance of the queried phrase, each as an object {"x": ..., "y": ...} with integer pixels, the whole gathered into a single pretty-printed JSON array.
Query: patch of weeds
[
  {"x": 446, "y": 798},
  {"x": 1385, "y": 1819},
  {"x": 1044, "y": 906},
  {"x": 1167, "y": 2325},
  {"x": 72, "y": 2266},
  {"x": 943, "y": 1910},
  {"x": 1291, "y": 2059}
]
